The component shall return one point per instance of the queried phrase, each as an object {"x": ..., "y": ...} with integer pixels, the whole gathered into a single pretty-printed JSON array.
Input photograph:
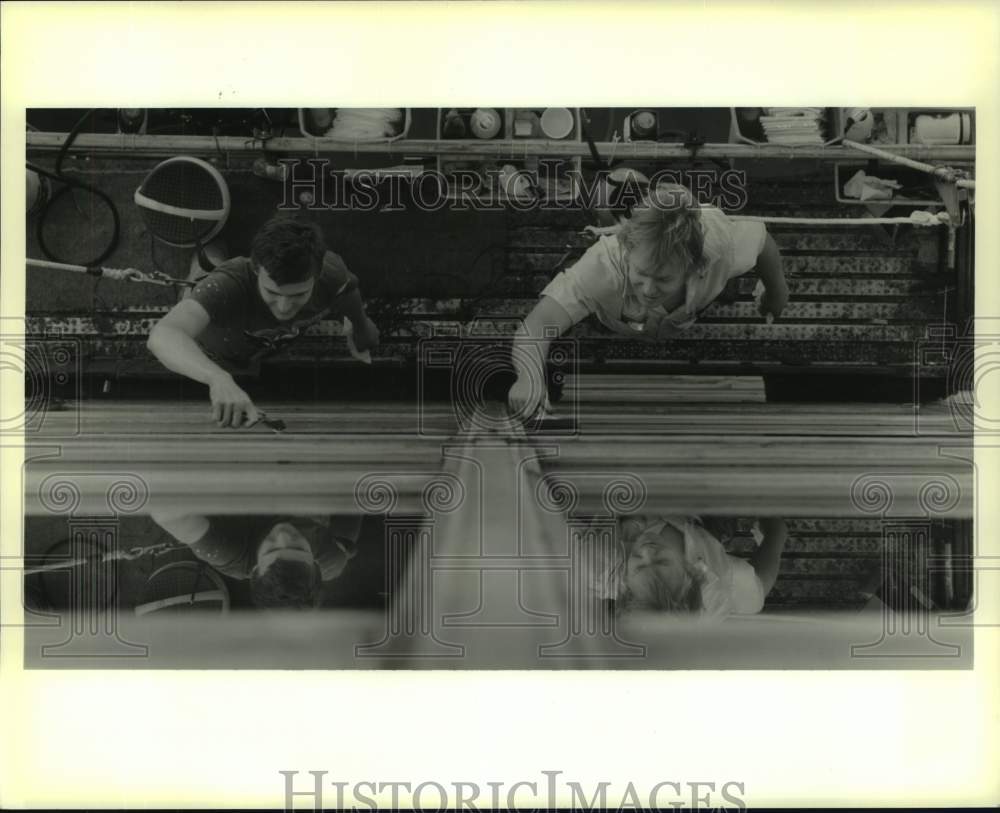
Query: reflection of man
[{"x": 286, "y": 559}]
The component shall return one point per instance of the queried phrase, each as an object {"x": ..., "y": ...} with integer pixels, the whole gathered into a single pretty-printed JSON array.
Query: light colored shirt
[
  {"x": 598, "y": 282},
  {"x": 729, "y": 584}
]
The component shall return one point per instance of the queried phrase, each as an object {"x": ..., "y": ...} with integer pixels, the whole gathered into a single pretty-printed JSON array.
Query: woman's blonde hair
[
  {"x": 669, "y": 219},
  {"x": 657, "y": 594}
]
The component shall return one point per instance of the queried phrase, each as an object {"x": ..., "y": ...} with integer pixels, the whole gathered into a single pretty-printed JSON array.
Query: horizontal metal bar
[{"x": 155, "y": 145}]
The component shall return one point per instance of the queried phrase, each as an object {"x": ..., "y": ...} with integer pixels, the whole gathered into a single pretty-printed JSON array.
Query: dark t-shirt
[
  {"x": 230, "y": 544},
  {"x": 232, "y": 299}
]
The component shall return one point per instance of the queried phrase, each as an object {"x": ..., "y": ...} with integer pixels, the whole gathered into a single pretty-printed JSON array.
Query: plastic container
[
  {"x": 641, "y": 125},
  {"x": 519, "y": 124},
  {"x": 742, "y": 130},
  {"x": 842, "y": 173},
  {"x": 894, "y": 125},
  {"x": 501, "y": 169},
  {"x": 465, "y": 116},
  {"x": 933, "y": 128},
  {"x": 305, "y": 125},
  {"x": 485, "y": 123},
  {"x": 572, "y": 133},
  {"x": 557, "y": 123},
  {"x": 675, "y": 125},
  {"x": 888, "y": 126}
]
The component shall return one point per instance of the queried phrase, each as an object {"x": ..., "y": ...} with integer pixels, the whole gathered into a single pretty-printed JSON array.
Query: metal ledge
[{"x": 159, "y": 145}]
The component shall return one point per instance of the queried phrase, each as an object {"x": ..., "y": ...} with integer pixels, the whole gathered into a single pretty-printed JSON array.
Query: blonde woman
[
  {"x": 651, "y": 279},
  {"x": 675, "y": 564}
]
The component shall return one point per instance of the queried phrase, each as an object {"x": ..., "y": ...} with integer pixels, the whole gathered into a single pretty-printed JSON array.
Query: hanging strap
[{"x": 120, "y": 274}]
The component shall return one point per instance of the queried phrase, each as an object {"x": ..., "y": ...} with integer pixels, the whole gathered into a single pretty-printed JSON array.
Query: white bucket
[
  {"x": 37, "y": 189},
  {"x": 953, "y": 128}
]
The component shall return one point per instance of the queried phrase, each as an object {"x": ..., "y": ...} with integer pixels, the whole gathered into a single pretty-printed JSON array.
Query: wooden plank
[
  {"x": 291, "y": 639},
  {"x": 325, "y": 487},
  {"x": 917, "y": 453},
  {"x": 129, "y": 447},
  {"x": 343, "y": 420},
  {"x": 664, "y": 389},
  {"x": 599, "y": 422},
  {"x": 788, "y": 419},
  {"x": 129, "y": 444}
]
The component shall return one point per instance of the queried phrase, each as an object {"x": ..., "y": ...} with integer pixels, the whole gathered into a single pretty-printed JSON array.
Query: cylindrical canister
[
  {"x": 950, "y": 128},
  {"x": 485, "y": 122},
  {"x": 643, "y": 124},
  {"x": 37, "y": 189}
]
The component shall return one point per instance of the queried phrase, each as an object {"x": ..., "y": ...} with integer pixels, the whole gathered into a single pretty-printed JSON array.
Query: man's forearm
[
  {"x": 354, "y": 307},
  {"x": 181, "y": 354}
]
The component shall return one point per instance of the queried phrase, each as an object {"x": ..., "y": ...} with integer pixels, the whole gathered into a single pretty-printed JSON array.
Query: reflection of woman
[
  {"x": 675, "y": 564},
  {"x": 286, "y": 559}
]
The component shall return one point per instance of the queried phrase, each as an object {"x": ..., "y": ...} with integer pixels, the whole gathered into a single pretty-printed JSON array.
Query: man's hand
[
  {"x": 230, "y": 405},
  {"x": 366, "y": 335},
  {"x": 180, "y": 523}
]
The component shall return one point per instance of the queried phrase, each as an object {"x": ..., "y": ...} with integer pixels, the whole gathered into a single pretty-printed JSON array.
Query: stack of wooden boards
[{"x": 847, "y": 477}]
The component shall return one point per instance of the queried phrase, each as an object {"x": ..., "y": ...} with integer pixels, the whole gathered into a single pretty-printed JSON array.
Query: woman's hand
[
  {"x": 230, "y": 405},
  {"x": 771, "y": 303},
  {"x": 526, "y": 397},
  {"x": 773, "y": 526}
]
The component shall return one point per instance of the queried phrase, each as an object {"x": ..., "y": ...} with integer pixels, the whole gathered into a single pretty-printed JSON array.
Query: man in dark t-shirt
[
  {"x": 288, "y": 282},
  {"x": 286, "y": 559}
]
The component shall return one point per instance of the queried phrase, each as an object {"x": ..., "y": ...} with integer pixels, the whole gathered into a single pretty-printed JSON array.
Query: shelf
[{"x": 164, "y": 145}]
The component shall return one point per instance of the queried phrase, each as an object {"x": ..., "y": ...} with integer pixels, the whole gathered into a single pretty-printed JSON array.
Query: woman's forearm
[
  {"x": 771, "y": 273},
  {"x": 767, "y": 558},
  {"x": 531, "y": 347},
  {"x": 547, "y": 321}
]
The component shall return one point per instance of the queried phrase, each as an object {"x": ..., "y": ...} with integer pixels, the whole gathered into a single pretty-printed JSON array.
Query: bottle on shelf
[{"x": 454, "y": 125}]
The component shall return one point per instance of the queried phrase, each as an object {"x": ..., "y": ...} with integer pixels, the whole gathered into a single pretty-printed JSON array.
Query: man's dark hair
[
  {"x": 290, "y": 250},
  {"x": 288, "y": 585}
]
